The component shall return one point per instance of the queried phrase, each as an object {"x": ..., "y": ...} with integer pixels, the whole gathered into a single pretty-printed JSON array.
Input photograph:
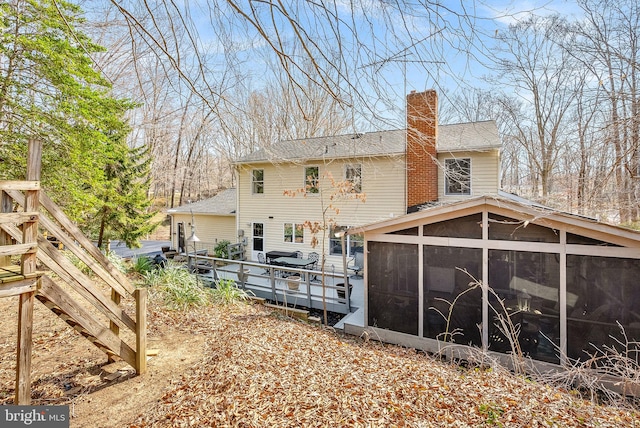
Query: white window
[
  {"x": 257, "y": 183},
  {"x": 294, "y": 233},
  {"x": 353, "y": 174},
  {"x": 457, "y": 176},
  {"x": 353, "y": 243},
  {"x": 311, "y": 175}
]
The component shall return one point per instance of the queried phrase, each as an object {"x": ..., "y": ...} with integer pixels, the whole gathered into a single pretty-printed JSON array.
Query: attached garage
[{"x": 448, "y": 276}]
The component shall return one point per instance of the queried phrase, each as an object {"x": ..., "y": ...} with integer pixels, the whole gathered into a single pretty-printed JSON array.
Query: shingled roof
[
  {"x": 473, "y": 136},
  {"x": 224, "y": 203}
]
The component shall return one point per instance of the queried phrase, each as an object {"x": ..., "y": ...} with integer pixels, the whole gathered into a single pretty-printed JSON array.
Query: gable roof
[
  {"x": 515, "y": 207},
  {"x": 473, "y": 136},
  {"x": 224, "y": 203}
]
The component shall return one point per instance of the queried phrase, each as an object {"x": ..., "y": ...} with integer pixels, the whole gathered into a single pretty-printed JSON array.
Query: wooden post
[
  {"x": 115, "y": 296},
  {"x": 140, "y": 295},
  {"x": 6, "y": 206},
  {"x": 23, "y": 364},
  {"x": 30, "y": 229},
  {"x": 28, "y": 266}
]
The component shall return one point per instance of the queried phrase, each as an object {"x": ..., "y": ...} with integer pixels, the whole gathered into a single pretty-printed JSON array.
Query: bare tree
[
  {"x": 608, "y": 48},
  {"x": 275, "y": 69},
  {"x": 540, "y": 73}
]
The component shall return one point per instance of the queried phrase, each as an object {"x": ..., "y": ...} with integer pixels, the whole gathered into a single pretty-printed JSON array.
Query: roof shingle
[
  {"x": 224, "y": 203},
  {"x": 473, "y": 136}
]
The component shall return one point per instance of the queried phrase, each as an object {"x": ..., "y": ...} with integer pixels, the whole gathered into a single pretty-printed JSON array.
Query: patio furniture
[
  {"x": 272, "y": 255},
  {"x": 261, "y": 259},
  {"x": 341, "y": 290},
  {"x": 293, "y": 262},
  {"x": 315, "y": 257},
  {"x": 298, "y": 254},
  {"x": 357, "y": 264}
]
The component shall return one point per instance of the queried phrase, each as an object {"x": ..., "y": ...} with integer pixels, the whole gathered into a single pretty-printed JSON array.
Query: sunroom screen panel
[
  {"x": 452, "y": 295},
  {"x": 393, "y": 286}
]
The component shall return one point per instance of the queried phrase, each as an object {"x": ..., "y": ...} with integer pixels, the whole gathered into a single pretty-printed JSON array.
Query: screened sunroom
[{"x": 568, "y": 283}]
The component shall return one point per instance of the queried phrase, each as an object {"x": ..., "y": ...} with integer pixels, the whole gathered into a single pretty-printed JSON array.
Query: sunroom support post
[{"x": 485, "y": 281}]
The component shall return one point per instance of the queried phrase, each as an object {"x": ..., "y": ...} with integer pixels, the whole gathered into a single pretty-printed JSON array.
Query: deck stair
[
  {"x": 62, "y": 304},
  {"x": 92, "y": 304}
]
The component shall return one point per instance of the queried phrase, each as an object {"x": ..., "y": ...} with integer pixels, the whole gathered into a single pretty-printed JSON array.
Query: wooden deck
[
  {"x": 13, "y": 282},
  {"x": 272, "y": 283}
]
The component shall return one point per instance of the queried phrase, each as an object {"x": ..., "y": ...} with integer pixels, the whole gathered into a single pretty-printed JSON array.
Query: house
[
  {"x": 295, "y": 195},
  {"x": 569, "y": 283},
  {"x": 214, "y": 220}
]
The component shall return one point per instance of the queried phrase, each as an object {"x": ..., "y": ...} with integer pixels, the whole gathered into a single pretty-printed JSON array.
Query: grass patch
[
  {"x": 141, "y": 266},
  {"x": 179, "y": 289},
  {"x": 227, "y": 292}
]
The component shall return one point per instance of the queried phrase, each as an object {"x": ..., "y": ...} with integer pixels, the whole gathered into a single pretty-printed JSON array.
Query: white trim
[
  {"x": 557, "y": 220},
  {"x": 254, "y": 252},
  {"x": 494, "y": 244},
  {"x": 446, "y": 175},
  {"x": 293, "y": 236},
  {"x": 304, "y": 180},
  {"x": 253, "y": 192},
  {"x": 420, "y": 287},
  {"x": 485, "y": 282},
  {"x": 563, "y": 298}
]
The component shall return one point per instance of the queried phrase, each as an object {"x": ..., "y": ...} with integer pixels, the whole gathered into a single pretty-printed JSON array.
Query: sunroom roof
[{"x": 515, "y": 207}]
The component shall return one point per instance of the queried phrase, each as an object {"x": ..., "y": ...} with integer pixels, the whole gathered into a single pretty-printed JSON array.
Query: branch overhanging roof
[{"x": 472, "y": 136}]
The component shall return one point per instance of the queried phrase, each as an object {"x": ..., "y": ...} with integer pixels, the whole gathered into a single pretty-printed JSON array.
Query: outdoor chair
[
  {"x": 315, "y": 257},
  {"x": 298, "y": 254},
  {"x": 261, "y": 259},
  {"x": 357, "y": 264}
]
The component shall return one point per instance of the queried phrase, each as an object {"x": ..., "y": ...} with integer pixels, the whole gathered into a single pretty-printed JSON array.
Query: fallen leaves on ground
[{"x": 265, "y": 371}]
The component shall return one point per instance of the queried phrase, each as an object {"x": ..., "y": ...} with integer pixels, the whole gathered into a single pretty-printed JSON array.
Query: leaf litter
[{"x": 263, "y": 370}]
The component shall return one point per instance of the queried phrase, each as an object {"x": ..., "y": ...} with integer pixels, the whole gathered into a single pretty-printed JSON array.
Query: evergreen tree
[
  {"x": 125, "y": 211},
  {"x": 50, "y": 90}
]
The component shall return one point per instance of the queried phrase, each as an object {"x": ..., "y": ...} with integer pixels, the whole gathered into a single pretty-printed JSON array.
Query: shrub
[
  {"x": 220, "y": 250},
  {"x": 178, "y": 288},
  {"x": 141, "y": 265},
  {"x": 117, "y": 261},
  {"x": 228, "y": 293}
]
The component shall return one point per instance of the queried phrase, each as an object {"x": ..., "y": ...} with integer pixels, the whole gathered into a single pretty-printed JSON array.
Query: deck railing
[{"x": 271, "y": 282}]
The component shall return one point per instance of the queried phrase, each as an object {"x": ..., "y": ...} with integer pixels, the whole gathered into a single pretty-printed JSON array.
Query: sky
[
  {"x": 464, "y": 68},
  {"x": 448, "y": 50}
]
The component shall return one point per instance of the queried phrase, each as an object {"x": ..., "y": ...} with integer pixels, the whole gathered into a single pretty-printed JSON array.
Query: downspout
[{"x": 237, "y": 187}]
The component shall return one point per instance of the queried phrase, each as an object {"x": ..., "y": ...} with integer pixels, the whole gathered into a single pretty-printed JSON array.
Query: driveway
[{"x": 149, "y": 248}]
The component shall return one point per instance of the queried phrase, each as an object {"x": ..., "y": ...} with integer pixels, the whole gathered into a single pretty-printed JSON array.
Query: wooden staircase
[
  {"x": 92, "y": 304},
  {"x": 63, "y": 305}
]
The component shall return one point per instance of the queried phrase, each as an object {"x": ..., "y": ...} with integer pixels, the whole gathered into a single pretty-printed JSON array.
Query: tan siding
[
  {"x": 209, "y": 229},
  {"x": 484, "y": 173},
  {"x": 382, "y": 185}
]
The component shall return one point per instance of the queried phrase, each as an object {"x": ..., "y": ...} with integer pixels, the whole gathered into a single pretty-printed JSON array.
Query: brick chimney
[{"x": 422, "y": 131}]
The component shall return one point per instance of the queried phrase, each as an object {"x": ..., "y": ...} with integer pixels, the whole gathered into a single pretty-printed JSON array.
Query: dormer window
[{"x": 457, "y": 176}]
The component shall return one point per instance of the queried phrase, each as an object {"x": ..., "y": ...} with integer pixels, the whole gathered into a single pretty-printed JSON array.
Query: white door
[{"x": 257, "y": 240}]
